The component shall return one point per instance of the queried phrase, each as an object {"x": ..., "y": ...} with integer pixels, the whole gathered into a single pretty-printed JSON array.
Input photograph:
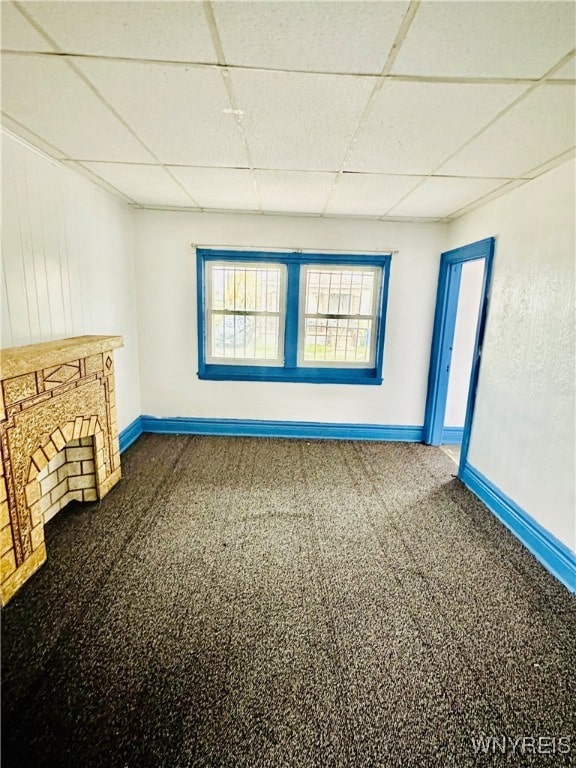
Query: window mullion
[{"x": 292, "y": 313}]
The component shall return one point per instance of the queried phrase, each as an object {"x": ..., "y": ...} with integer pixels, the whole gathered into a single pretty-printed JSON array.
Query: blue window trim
[{"x": 290, "y": 371}]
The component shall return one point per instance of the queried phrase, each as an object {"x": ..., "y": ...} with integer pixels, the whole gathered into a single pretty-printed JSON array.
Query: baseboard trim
[
  {"x": 555, "y": 556},
  {"x": 452, "y": 435},
  {"x": 295, "y": 429},
  {"x": 130, "y": 434}
]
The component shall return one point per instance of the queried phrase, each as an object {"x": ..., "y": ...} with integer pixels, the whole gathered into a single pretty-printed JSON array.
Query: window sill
[{"x": 366, "y": 376}]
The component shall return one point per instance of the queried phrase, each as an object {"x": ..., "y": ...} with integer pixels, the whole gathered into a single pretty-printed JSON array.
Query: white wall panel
[{"x": 68, "y": 262}]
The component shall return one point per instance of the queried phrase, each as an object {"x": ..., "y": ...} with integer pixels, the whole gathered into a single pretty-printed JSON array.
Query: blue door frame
[{"x": 443, "y": 339}]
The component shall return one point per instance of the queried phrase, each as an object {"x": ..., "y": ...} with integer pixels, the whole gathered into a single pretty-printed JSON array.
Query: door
[{"x": 449, "y": 284}]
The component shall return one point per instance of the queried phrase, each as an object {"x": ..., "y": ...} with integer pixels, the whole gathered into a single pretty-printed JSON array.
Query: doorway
[{"x": 457, "y": 344}]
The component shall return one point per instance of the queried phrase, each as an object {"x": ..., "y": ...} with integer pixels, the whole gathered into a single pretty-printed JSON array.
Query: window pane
[
  {"x": 245, "y": 337},
  {"x": 245, "y": 316},
  {"x": 339, "y": 291},
  {"x": 245, "y": 288},
  {"x": 345, "y": 340}
]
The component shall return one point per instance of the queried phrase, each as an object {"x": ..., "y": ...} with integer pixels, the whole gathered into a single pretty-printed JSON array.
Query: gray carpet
[{"x": 252, "y": 602}]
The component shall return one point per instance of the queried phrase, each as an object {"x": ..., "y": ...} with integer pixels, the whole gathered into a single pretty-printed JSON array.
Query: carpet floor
[{"x": 247, "y": 603}]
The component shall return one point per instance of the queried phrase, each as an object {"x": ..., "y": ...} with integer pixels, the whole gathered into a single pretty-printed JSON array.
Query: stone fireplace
[{"x": 59, "y": 442}]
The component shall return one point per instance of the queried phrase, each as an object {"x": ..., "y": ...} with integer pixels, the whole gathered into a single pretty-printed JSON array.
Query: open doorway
[{"x": 461, "y": 307}]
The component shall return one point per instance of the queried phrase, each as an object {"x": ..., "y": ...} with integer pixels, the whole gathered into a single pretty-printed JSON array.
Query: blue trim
[
  {"x": 302, "y": 374},
  {"x": 471, "y": 252},
  {"x": 443, "y": 337},
  {"x": 291, "y": 330},
  {"x": 290, "y": 371},
  {"x": 200, "y": 299},
  {"x": 488, "y": 246},
  {"x": 285, "y": 257},
  {"x": 555, "y": 556},
  {"x": 296, "y": 429},
  {"x": 441, "y": 355},
  {"x": 130, "y": 434},
  {"x": 381, "y": 319},
  {"x": 452, "y": 435}
]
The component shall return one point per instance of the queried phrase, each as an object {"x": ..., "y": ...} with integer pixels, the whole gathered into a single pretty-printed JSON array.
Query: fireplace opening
[{"x": 69, "y": 476}]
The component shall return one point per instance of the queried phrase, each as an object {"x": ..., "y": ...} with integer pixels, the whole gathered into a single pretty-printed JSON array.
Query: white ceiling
[{"x": 390, "y": 110}]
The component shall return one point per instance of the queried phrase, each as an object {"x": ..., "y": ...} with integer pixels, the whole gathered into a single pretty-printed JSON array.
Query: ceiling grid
[{"x": 385, "y": 110}]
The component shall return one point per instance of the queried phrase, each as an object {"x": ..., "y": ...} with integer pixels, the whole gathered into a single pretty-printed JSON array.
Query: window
[{"x": 291, "y": 316}]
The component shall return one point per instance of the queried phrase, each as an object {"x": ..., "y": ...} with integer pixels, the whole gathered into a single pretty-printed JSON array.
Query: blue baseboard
[
  {"x": 130, "y": 434},
  {"x": 553, "y": 554},
  {"x": 297, "y": 429},
  {"x": 452, "y": 435}
]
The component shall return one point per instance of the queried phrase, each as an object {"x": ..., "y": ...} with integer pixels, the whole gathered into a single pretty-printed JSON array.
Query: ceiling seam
[
  {"x": 497, "y": 117},
  {"x": 237, "y": 113},
  {"x": 290, "y": 214},
  {"x": 512, "y": 184},
  {"x": 400, "y": 36},
  {"x": 286, "y": 170},
  {"x": 99, "y": 180},
  {"x": 65, "y": 162},
  {"x": 487, "y": 198},
  {"x": 37, "y": 136},
  {"x": 274, "y": 70},
  {"x": 538, "y": 170},
  {"x": 392, "y": 54},
  {"x": 78, "y": 72}
]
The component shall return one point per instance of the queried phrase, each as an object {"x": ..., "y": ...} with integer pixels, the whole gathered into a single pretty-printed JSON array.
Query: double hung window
[{"x": 291, "y": 316}]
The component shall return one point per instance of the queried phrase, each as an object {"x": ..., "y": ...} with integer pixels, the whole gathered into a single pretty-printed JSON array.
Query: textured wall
[
  {"x": 68, "y": 263},
  {"x": 524, "y": 424},
  {"x": 167, "y": 318}
]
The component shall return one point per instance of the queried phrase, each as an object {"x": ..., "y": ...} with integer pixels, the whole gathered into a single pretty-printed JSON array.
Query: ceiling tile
[
  {"x": 437, "y": 197},
  {"x": 412, "y": 127},
  {"x": 486, "y": 39},
  {"x": 145, "y": 184},
  {"x": 534, "y": 131},
  {"x": 182, "y": 114},
  {"x": 17, "y": 32},
  {"x": 293, "y": 192},
  {"x": 300, "y": 121},
  {"x": 364, "y": 194},
  {"x": 171, "y": 31},
  {"x": 48, "y": 98},
  {"x": 353, "y": 37},
  {"x": 219, "y": 188}
]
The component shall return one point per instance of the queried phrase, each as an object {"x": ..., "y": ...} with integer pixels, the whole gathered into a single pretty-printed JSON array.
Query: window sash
[
  {"x": 210, "y": 313},
  {"x": 371, "y": 318}
]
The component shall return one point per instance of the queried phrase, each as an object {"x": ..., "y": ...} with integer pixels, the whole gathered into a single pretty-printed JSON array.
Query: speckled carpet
[{"x": 285, "y": 604}]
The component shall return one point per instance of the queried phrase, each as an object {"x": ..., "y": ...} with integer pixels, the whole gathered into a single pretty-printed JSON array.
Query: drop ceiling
[{"x": 387, "y": 110}]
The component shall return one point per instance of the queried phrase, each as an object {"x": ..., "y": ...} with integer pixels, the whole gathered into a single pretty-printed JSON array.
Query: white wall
[
  {"x": 467, "y": 314},
  {"x": 167, "y": 318},
  {"x": 68, "y": 262},
  {"x": 523, "y": 434}
]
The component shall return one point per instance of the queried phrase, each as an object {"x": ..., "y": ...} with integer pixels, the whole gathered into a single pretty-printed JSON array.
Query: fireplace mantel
[
  {"x": 58, "y": 439},
  {"x": 16, "y": 361}
]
